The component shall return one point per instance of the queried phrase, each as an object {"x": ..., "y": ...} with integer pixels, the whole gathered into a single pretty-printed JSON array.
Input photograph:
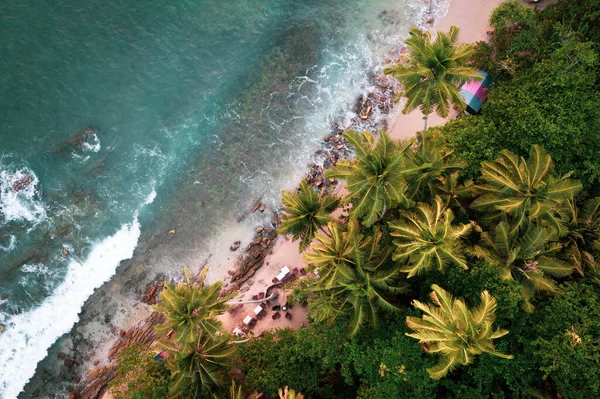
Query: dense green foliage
[
  {"x": 551, "y": 99},
  {"x": 498, "y": 209},
  {"x": 139, "y": 375},
  {"x": 490, "y": 216}
]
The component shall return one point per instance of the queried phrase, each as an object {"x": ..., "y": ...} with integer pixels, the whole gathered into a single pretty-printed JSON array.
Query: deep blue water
[{"x": 196, "y": 108}]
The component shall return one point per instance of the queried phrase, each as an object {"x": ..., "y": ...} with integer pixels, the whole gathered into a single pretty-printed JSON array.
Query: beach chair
[{"x": 238, "y": 332}]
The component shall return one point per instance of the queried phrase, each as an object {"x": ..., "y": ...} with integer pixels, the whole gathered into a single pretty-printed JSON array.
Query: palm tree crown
[
  {"x": 429, "y": 164},
  {"x": 525, "y": 190},
  {"x": 198, "y": 368},
  {"x": 191, "y": 307},
  {"x": 374, "y": 178},
  {"x": 355, "y": 279},
  {"x": 432, "y": 72},
  {"x": 525, "y": 256},
  {"x": 427, "y": 239},
  {"x": 455, "y": 331},
  {"x": 582, "y": 242},
  {"x": 305, "y": 213}
]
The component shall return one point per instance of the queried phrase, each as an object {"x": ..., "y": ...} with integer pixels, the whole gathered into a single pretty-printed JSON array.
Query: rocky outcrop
[
  {"x": 21, "y": 184},
  {"x": 64, "y": 148},
  {"x": 253, "y": 257}
]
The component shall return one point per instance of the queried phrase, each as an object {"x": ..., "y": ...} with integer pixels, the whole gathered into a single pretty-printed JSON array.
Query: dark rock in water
[
  {"x": 1, "y": 328},
  {"x": 235, "y": 246},
  {"x": 77, "y": 140},
  {"x": 61, "y": 355},
  {"x": 69, "y": 362},
  {"x": 21, "y": 184},
  {"x": 4, "y": 297},
  {"x": 107, "y": 318}
]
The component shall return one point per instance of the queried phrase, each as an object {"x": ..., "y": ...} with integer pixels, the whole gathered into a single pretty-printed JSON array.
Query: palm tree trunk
[{"x": 426, "y": 118}]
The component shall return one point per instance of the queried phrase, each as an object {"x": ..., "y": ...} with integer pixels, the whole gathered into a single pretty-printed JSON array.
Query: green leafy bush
[
  {"x": 139, "y": 375},
  {"x": 306, "y": 360}
]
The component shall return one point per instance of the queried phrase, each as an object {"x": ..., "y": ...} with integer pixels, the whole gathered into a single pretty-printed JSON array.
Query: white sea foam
[
  {"x": 10, "y": 245},
  {"x": 24, "y": 205},
  {"x": 92, "y": 144},
  {"x": 27, "y": 336}
]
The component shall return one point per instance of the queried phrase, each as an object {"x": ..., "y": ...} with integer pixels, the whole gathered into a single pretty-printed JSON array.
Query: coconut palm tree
[
  {"x": 431, "y": 163},
  {"x": 426, "y": 238},
  {"x": 454, "y": 194},
  {"x": 582, "y": 242},
  {"x": 305, "y": 212},
  {"x": 526, "y": 256},
  {"x": 455, "y": 331},
  {"x": 374, "y": 178},
  {"x": 197, "y": 368},
  {"x": 190, "y": 309},
  {"x": 432, "y": 72},
  {"x": 345, "y": 244},
  {"x": 522, "y": 191},
  {"x": 289, "y": 394},
  {"x": 355, "y": 276}
]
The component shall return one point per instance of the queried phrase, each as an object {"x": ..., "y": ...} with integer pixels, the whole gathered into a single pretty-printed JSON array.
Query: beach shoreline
[{"x": 282, "y": 251}]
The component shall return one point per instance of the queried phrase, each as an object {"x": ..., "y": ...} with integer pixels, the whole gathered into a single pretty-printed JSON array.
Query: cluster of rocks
[
  {"x": 21, "y": 184},
  {"x": 150, "y": 296},
  {"x": 254, "y": 255}
]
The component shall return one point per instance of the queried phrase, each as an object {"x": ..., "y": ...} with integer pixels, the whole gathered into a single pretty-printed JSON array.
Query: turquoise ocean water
[{"x": 197, "y": 108}]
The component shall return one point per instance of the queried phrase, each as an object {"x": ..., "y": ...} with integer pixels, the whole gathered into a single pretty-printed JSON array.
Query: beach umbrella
[{"x": 475, "y": 92}]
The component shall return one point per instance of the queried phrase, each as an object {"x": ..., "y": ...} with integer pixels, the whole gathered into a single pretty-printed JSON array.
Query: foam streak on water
[{"x": 28, "y": 335}]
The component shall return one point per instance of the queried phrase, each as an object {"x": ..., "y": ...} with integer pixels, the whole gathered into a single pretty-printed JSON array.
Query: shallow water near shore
[{"x": 197, "y": 110}]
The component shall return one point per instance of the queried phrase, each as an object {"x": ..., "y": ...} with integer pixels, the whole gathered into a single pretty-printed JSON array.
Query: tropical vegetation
[
  {"x": 500, "y": 209},
  {"x": 454, "y": 331},
  {"x": 432, "y": 71},
  {"x": 305, "y": 212}
]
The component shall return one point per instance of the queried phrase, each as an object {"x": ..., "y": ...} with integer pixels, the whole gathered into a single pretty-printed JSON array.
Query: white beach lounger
[
  {"x": 258, "y": 309},
  {"x": 247, "y": 319}
]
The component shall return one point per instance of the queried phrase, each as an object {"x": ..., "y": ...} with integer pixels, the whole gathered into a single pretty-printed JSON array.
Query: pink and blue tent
[{"x": 475, "y": 92}]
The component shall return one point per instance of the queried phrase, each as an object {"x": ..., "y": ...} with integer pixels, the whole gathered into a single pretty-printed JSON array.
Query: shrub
[{"x": 139, "y": 375}]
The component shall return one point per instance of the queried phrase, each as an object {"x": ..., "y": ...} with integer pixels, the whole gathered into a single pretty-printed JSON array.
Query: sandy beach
[{"x": 472, "y": 17}]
